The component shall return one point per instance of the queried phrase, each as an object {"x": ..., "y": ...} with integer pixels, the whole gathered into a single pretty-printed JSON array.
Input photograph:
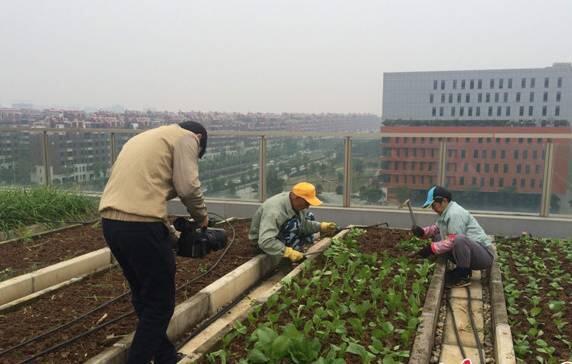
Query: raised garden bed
[
  {"x": 29, "y": 254},
  {"x": 537, "y": 280},
  {"x": 26, "y": 321},
  {"x": 358, "y": 302}
]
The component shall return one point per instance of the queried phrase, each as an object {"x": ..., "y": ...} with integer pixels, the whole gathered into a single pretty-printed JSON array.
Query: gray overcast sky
[{"x": 260, "y": 55}]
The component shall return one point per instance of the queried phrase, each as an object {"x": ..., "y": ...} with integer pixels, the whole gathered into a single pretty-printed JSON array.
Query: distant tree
[
  {"x": 340, "y": 191},
  {"x": 274, "y": 184}
]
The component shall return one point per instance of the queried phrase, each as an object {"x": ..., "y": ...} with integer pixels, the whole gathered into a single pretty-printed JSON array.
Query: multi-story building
[
  {"x": 485, "y": 170},
  {"x": 508, "y": 94}
]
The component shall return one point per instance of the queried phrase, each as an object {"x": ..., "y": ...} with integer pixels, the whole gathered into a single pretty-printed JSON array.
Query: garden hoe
[{"x": 408, "y": 203}]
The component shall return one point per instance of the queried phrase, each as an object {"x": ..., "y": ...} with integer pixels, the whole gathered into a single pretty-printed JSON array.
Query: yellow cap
[{"x": 307, "y": 191}]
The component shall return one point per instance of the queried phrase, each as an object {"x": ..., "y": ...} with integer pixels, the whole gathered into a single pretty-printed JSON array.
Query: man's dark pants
[{"x": 143, "y": 251}]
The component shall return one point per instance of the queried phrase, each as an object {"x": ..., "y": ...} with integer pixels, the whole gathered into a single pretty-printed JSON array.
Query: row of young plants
[
  {"x": 537, "y": 279},
  {"x": 27, "y": 206},
  {"x": 346, "y": 306}
]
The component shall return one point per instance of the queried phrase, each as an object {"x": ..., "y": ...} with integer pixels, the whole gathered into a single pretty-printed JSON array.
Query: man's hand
[
  {"x": 328, "y": 227},
  {"x": 418, "y": 231},
  {"x": 425, "y": 252},
  {"x": 292, "y": 254},
  {"x": 205, "y": 223}
]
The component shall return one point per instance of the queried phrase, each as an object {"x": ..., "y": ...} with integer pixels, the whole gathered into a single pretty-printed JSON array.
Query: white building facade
[{"x": 505, "y": 94}]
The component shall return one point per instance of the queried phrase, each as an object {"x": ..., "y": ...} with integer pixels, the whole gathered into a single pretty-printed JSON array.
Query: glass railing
[{"x": 513, "y": 173}]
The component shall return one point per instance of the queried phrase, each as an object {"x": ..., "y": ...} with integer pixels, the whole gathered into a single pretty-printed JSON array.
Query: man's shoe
[{"x": 458, "y": 277}]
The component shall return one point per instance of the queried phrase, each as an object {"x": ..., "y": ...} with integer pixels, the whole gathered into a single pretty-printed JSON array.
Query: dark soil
[
  {"x": 546, "y": 293},
  {"x": 27, "y": 255},
  {"x": 69, "y": 302},
  {"x": 384, "y": 243}
]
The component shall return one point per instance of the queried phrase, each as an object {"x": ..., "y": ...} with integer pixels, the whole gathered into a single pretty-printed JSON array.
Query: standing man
[
  {"x": 152, "y": 168},
  {"x": 456, "y": 234},
  {"x": 282, "y": 226}
]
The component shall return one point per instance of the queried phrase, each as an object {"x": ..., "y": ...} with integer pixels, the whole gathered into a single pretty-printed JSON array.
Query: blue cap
[{"x": 436, "y": 191}]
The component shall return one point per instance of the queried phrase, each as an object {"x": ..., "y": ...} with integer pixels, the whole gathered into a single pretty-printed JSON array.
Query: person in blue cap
[{"x": 458, "y": 235}]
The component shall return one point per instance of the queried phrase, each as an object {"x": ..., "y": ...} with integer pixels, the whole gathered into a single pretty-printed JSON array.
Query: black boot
[{"x": 458, "y": 277}]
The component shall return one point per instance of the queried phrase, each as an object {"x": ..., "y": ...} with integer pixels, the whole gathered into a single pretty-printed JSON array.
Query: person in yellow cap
[{"x": 282, "y": 225}]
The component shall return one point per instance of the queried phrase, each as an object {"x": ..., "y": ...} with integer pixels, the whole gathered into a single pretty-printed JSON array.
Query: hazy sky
[{"x": 267, "y": 56}]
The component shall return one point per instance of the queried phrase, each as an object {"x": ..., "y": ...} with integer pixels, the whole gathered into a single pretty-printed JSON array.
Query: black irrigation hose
[
  {"x": 474, "y": 326},
  {"x": 455, "y": 325},
  {"x": 105, "y": 304}
]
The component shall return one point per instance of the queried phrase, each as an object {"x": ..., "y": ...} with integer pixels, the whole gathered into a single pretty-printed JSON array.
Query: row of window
[
  {"x": 500, "y": 83},
  {"x": 467, "y": 140},
  {"x": 516, "y": 154},
  {"x": 500, "y": 182},
  {"x": 452, "y": 167},
  {"x": 491, "y": 111},
  {"x": 488, "y": 97}
]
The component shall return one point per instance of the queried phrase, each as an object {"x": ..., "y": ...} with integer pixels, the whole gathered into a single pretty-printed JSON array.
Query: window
[
  {"x": 505, "y": 168},
  {"x": 544, "y": 110},
  {"x": 532, "y": 183},
  {"x": 431, "y": 97},
  {"x": 518, "y": 168},
  {"x": 530, "y": 110},
  {"x": 522, "y": 182},
  {"x": 454, "y": 84},
  {"x": 505, "y": 97},
  {"x": 475, "y": 154},
  {"x": 496, "y": 168},
  {"x": 515, "y": 154},
  {"x": 435, "y": 85},
  {"x": 546, "y": 82},
  {"x": 492, "y": 83},
  {"x": 534, "y": 154},
  {"x": 501, "y": 82},
  {"x": 434, "y": 111},
  {"x": 472, "y": 84},
  {"x": 478, "y": 111},
  {"x": 478, "y": 168},
  {"x": 558, "y": 96},
  {"x": 482, "y": 181},
  {"x": 518, "y": 97},
  {"x": 527, "y": 169},
  {"x": 499, "y": 111},
  {"x": 557, "y": 111},
  {"x": 537, "y": 168},
  {"x": 480, "y": 83},
  {"x": 559, "y": 82},
  {"x": 463, "y": 154},
  {"x": 510, "y": 83},
  {"x": 453, "y": 111},
  {"x": 484, "y": 154},
  {"x": 525, "y": 154},
  {"x": 466, "y": 167},
  {"x": 467, "y": 98},
  {"x": 501, "y": 182},
  {"x": 474, "y": 181},
  {"x": 521, "y": 111},
  {"x": 488, "y": 97},
  {"x": 507, "y": 111},
  {"x": 443, "y": 85},
  {"x": 480, "y": 97},
  {"x": 493, "y": 154},
  {"x": 523, "y": 83},
  {"x": 532, "y": 82},
  {"x": 490, "y": 111},
  {"x": 480, "y": 140},
  {"x": 461, "y": 111},
  {"x": 486, "y": 168},
  {"x": 545, "y": 97},
  {"x": 462, "y": 84},
  {"x": 450, "y": 98},
  {"x": 496, "y": 97},
  {"x": 531, "y": 98},
  {"x": 459, "y": 98},
  {"x": 491, "y": 181},
  {"x": 441, "y": 111},
  {"x": 470, "y": 111},
  {"x": 442, "y": 98},
  {"x": 514, "y": 182}
]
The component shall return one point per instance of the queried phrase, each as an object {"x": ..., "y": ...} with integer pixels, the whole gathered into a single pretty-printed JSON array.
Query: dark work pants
[
  {"x": 470, "y": 254},
  {"x": 143, "y": 251}
]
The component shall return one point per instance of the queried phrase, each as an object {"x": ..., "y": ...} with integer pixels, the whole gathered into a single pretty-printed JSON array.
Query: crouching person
[
  {"x": 458, "y": 235},
  {"x": 282, "y": 225}
]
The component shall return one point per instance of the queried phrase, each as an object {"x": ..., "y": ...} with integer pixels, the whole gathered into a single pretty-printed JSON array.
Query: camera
[{"x": 196, "y": 242}]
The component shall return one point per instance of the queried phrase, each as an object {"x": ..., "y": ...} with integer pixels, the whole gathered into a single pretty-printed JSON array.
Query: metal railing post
[
  {"x": 47, "y": 179},
  {"x": 442, "y": 176},
  {"x": 547, "y": 179},
  {"x": 347, "y": 171},
  {"x": 262, "y": 169},
  {"x": 113, "y": 147}
]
